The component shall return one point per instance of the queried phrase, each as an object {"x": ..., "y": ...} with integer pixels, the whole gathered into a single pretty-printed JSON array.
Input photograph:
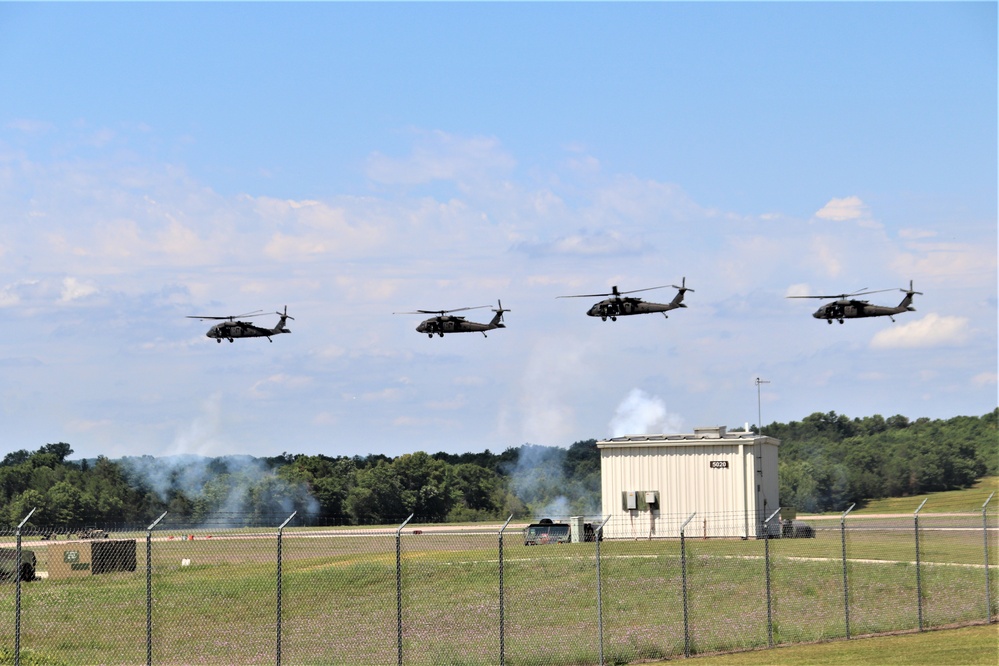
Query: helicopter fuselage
[
  {"x": 621, "y": 307},
  {"x": 230, "y": 330},
  {"x": 451, "y": 324},
  {"x": 241, "y": 329},
  {"x": 852, "y": 309}
]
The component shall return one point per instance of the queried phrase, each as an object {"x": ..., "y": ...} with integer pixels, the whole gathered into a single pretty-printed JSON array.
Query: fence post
[
  {"x": 766, "y": 559},
  {"x": 17, "y": 594},
  {"x": 683, "y": 570},
  {"x": 919, "y": 584},
  {"x": 846, "y": 585},
  {"x": 398, "y": 587},
  {"x": 279, "y": 535},
  {"x": 149, "y": 590},
  {"x": 985, "y": 536},
  {"x": 597, "y": 533},
  {"x": 502, "y": 659}
]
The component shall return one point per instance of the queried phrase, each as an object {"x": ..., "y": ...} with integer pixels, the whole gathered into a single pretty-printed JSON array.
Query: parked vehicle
[
  {"x": 10, "y": 566},
  {"x": 547, "y": 531},
  {"x": 795, "y": 529}
]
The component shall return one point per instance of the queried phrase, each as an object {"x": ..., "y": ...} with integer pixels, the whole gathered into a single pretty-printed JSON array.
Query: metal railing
[{"x": 443, "y": 594}]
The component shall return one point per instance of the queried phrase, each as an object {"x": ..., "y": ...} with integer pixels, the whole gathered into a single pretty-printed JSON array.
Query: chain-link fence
[{"x": 441, "y": 594}]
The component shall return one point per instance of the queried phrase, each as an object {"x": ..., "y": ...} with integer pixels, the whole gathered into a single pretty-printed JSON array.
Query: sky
[{"x": 350, "y": 161}]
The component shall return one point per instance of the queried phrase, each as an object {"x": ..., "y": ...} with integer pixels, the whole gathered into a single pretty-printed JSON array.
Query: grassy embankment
[{"x": 966, "y": 646}]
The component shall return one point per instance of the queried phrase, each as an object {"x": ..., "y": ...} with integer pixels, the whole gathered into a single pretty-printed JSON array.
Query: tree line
[{"x": 826, "y": 462}]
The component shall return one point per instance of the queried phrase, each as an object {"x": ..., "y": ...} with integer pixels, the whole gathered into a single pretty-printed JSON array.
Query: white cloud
[
  {"x": 798, "y": 290},
  {"x": 281, "y": 380},
  {"x": 844, "y": 210},
  {"x": 312, "y": 229},
  {"x": 73, "y": 289},
  {"x": 975, "y": 264},
  {"x": 826, "y": 257},
  {"x": 916, "y": 234},
  {"x": 601, "y": 243},
  {"x": 11, "y": 294},
  {"x": 84, "y": 426},
  {"x": 984, "y": 379},
  {"x": 441, "y": 156},
  {"x": 930, "y": 331},
  {"x": 30, "y": 126}
]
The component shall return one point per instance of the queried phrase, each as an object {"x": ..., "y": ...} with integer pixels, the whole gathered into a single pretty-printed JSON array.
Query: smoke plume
[{"x": 643, "y": 414}]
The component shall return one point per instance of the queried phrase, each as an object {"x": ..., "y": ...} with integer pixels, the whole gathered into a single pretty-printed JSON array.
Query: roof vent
[{"x": 711, "y": 432}]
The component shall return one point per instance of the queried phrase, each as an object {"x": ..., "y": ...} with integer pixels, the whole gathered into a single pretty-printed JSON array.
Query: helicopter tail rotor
[
  {"x": 498, "y": 318},
  {"x": 907, "y": 301},
  {"x": 681, "y": 290},
  {"x": 284, "y": 316},
  {"x": 910, "y": 291}
]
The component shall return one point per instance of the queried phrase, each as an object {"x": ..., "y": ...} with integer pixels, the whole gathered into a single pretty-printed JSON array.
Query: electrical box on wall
[{"x": 640, "y": 500}]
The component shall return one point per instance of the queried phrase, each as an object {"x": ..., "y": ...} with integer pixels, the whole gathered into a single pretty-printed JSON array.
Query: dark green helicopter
[
  {"x": 848, "y": 307},
  {"x": 445, "y": 322},
  {"x": 231, "y": 328},
  {"x": 619, "y": 305}
]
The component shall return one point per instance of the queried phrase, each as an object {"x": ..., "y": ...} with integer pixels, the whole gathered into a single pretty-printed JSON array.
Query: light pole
[{"x": 759, "y": 416}]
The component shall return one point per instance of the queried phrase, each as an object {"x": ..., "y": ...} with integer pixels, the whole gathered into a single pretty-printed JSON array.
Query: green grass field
[
  {"x": 340, "y": 603},
  {"x": 340, "y": 600}
]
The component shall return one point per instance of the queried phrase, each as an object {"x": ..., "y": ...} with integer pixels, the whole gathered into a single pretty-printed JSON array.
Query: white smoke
[
  {"x": 643, "y": 414},
  {"x": 237, "y": 486},
  {"x": 202, "y": 435},
  {"x": 539, "y": 481}
]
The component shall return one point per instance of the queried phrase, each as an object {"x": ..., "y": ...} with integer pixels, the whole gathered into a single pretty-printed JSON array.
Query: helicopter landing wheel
[
  {"x": 841, "y": 321},
  {"x": 218, "y": 340},
  {"x": 613, "y": 318},
  {"x": 430, "y": 335},
  {"x": 829, "y": 321}
]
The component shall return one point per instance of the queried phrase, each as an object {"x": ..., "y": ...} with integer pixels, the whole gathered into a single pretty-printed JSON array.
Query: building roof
[{"x": 706, "y": 435}]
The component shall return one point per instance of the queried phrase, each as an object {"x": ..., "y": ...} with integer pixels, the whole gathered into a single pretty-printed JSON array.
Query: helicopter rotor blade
[
  {"x": 862, "y": 292},
  {"x": 635, "y": 291},
  {"x": 441, "y": 313},
  {"x": 247, "y": 315},
  {"x": 615, "y": 292}
]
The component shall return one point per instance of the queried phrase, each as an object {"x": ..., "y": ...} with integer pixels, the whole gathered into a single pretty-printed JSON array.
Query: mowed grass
[
  {"x": 340, "y": 603},
  {"x": 969, "y": 500},
  {"x": 966, "y": 646}
]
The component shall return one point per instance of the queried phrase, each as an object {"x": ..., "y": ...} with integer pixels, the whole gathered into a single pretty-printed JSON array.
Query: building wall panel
[{"x": 714, "y": 477}]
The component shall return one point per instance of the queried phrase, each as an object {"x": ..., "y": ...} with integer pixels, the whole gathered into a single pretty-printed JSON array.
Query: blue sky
[{"x": 353, "y": 160}]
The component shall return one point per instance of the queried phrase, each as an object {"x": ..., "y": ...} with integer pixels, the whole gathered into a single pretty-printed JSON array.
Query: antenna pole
[{"x": 759, "y": 415}]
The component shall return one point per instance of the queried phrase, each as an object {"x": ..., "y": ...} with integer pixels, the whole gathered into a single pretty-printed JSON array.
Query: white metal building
[{"x": 651, "y": 484}]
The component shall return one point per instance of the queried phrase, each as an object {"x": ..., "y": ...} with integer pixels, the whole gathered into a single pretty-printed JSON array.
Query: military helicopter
[
  {"x": 231, "y": 328},
  {"x": 619, "y": 305},
  {"x": 445, "y": 322},
  {"x": 847, "y": 307}
]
